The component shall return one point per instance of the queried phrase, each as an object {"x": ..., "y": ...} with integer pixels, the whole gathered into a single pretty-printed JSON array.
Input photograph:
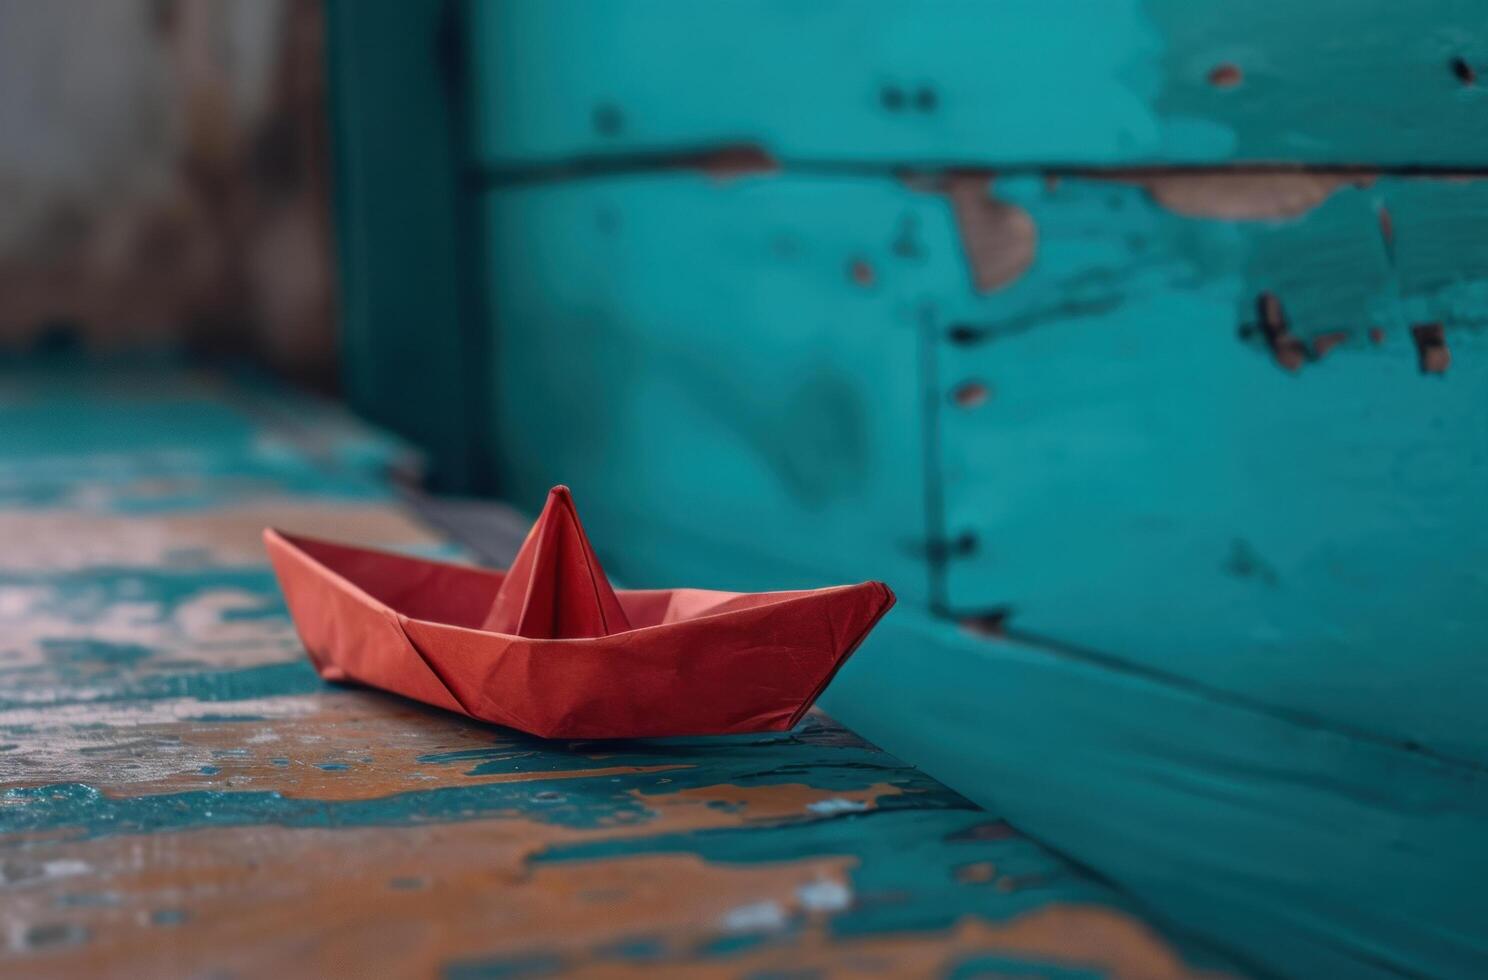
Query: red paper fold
[
  {"x": 550, "y": 648},
  {"x": 555, "y": 589}
]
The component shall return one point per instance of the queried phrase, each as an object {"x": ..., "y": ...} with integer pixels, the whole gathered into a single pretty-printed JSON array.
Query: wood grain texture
[
  {"x": 1088, "y": 82},
  {"x": 181, "y": 795}
]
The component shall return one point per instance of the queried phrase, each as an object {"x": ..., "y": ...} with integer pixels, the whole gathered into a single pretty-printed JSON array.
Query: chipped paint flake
[
  {"x": 999, "y": 238},
  {"x": 1238, "y": 195}
]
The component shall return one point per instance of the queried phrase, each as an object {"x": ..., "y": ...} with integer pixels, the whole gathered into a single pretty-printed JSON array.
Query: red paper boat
[{"x": 549, "y": 648}]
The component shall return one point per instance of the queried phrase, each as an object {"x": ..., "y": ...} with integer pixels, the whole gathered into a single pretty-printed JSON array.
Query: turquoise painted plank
[
  {"x": 1316, "y": 853},
  {"x": 1088, "y": 82},
  {"x": 1146, "y": 482},
  {"x": 721, "y": 360}
]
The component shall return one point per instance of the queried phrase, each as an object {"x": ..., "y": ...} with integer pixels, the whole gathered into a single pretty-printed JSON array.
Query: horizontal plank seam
[
  {"x": 491, "y": 175},
  {"x": 1206, "y": 692}
]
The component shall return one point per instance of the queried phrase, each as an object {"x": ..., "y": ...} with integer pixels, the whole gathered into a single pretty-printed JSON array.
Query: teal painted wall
[{"x": 1071, "y": 333}]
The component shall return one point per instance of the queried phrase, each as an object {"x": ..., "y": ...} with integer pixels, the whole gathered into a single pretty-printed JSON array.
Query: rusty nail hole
[
  {"x": 976, "y": 873},
  {"x": 1323, "y": 343},
  {"x": 1225, "y": 75},
  {"x": 991, "y": 830},
  {"x": 892, "y": 97},
  {"x": 993, "y": 622},
  {"x": 1463, "y": 71},
  {"x": 926, "y": 99},
  {"x": 860, "y": 272},
  {"x": 962, "y": 333},
  {"x": 1376, "y": 336},
  {"x": 970, "y": 394},
  {"x": 1431, "y": 348},
  {"x": 607, "y": 120}
]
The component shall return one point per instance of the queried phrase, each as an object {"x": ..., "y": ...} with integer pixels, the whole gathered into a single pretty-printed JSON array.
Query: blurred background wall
[{"x": 163, "y": 179}]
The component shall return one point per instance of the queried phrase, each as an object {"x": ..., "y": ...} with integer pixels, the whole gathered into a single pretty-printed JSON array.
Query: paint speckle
[
  {"x": 1323, "y": 343},
  {"x": 332, "y": 766},
  {"x": 835, "y": 806},
  {"x": 48, "y": 935},
  {"x": 824, "y": 896},
  {"x": 755, "y": 917},
  {"x": 408, "y": 883},
  {"x": 906, "y": 243},
  {"x": 1465, "y": 72},
  {"x": 88, "y": 900},
  {"x": 607, "y": 120},
  {"x": 991, "y": 830},
  {"x": 970, "y": 394},
  {"x": 976, "y": 873},
  {"x": 990, "y": 623},
  {"x": 1246, "y": 563},
  {"x": 168, "y": 917},
  {"x": 65, "y": 868},
  {"x": 209, "y": 770},
  {"x": 861, "y": 272},
  {"x": 1225, "y": 75}
]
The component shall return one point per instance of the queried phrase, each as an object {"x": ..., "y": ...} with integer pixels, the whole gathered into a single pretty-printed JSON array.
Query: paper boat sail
[{"x": 550, "y": 648}]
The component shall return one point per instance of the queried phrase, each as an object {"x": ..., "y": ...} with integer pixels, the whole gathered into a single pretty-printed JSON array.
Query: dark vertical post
[{"x": 411, "y": 338}]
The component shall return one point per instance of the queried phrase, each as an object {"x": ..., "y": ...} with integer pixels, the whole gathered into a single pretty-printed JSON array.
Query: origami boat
[{"x": 550, "y": 648}]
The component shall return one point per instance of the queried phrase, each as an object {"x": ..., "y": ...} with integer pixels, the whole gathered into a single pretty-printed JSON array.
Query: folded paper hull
[{"x": 694, "y": 663}]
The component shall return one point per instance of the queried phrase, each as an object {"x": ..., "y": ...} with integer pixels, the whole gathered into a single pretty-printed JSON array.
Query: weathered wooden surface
[
  {"x": 1019, "y": 82},
  {"x": 181, "y": 795}
]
